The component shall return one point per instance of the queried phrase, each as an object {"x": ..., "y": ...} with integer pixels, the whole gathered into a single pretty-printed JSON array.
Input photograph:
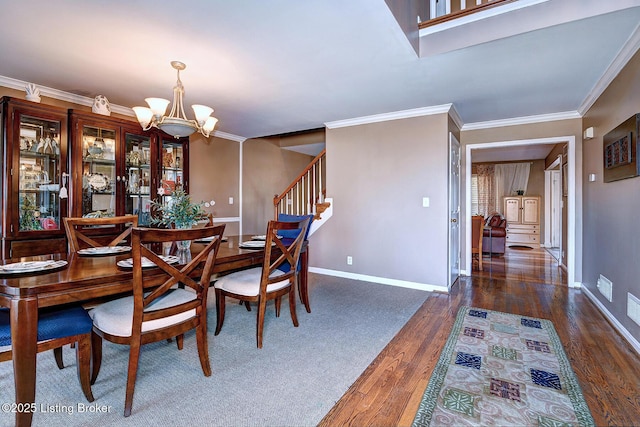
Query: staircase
[{"x": 307, "y": 194}]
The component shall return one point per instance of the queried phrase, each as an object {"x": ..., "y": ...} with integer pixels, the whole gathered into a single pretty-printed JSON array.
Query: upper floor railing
[{"x": 446, "y": 10}]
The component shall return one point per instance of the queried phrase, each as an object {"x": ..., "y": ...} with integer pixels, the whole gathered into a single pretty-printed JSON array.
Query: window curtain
[
  {"x": 486, "y": 190},
  {"x": 511, "y": 178}
]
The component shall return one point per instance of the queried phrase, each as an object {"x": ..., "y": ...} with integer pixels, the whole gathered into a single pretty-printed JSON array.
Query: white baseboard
[
  {"x": 623, "y": 331},
  {"x": 381, "y": 280}
]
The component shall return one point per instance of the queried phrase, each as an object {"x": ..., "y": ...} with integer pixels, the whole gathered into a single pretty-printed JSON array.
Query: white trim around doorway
[{"x": 574, "y": 248}]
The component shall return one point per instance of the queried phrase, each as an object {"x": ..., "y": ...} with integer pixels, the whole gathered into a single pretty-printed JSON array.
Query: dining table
[{"x": 82, "y": 279}]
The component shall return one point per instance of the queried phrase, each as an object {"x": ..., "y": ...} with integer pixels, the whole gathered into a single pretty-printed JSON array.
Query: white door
[
  {"x": 454, "y": 209},
  {"x": 556, "y": 200}
]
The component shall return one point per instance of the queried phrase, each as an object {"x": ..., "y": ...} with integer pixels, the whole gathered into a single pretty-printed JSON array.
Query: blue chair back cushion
[
  {"x": 52, "y": 324},
  {"x": 292, "y": 234}
]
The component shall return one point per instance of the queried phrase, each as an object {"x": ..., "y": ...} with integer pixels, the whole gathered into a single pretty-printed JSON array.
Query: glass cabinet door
[
  {"x": 98, "y": 172},
  {"x": 39, "y": 174},
  {"x": 172, "y": 173},
  {"x": 138, "y": 177}
]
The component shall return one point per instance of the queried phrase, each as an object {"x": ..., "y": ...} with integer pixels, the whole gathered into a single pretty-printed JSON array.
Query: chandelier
[{"x": 176, "y": 123}]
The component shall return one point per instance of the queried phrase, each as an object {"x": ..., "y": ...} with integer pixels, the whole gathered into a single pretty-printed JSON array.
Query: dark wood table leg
[
  {"x": 304, "y": 270},
  {"x": 24, "y": 333}
]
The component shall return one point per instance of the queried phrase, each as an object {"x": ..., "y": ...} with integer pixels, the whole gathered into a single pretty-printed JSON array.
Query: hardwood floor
[{"x": 526, "y": 282}]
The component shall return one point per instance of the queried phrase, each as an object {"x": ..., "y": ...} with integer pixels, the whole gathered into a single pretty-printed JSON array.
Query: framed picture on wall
[{"x": 620, "y": 151}]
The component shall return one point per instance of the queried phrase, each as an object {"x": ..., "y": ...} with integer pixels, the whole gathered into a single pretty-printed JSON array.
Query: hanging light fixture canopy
[{"x": 176, "y": 123}]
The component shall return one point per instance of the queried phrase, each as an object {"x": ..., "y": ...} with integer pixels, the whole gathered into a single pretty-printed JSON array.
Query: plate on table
[
  {"x": 104, "y": 250},
  {"x": 262, "y": 237},
  {"x": 32, "y": 267},
  {"x": 254, "y": 244},
  {"x": 208, "y": 239},
  {"x": 128, "y": 263}
]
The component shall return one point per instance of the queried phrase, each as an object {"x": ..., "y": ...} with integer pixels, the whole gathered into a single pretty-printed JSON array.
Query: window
[{"x": 474, "y": 195}]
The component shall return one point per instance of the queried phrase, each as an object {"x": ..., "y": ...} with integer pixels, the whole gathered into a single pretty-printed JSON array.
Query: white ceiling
[{"x": 278, "y": 66}]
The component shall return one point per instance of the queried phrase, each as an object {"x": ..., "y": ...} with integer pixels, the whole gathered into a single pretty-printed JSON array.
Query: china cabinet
[
  {"x": 59, "y": 163},
  {"x": 117, "y": 168},
  {"x": 34, "y": 196}
]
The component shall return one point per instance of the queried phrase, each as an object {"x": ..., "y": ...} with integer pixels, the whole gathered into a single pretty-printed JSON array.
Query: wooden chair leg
[
  {"x": 262, "y": 308},
  {"x": 292, "y": 306},
  {"x": 57, "y": 354},
  {"x": 203, "y": 347},
  {"x": 180, "y": 341},
  {"x": 83, "y": 360},
  {"x": 134, "y": 357},
  {"x": 278, "y": 305},
  {"x": 96, "y": 356},
  {"x": 220, "y": 307},
  {"x": 247, "y": 304}
]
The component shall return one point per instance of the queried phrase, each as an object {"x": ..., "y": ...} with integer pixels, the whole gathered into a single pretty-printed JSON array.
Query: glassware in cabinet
[
  {"x": 138, "y": 177},
  {"x": 39, "y": 174},
  {"x": 99, "y": 174},
  {"x": 34, "y": 138}
]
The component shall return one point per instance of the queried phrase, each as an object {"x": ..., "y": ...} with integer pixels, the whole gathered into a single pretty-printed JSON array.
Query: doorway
[{"x": 573, "y": 251}]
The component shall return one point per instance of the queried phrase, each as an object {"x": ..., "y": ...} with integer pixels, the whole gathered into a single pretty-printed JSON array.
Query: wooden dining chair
[
  {"x": 477, "y": 224},
  {"x": 76, "y": 229},
  {"x": 262, "y": 284},
  {"x": 57, "y": 328},
  {"x": 158, "y": 308},
  {"x": 303, "y": 292}
]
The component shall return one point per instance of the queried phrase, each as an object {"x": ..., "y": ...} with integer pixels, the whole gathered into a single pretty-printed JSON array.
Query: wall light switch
[
  {"x": 425, "y": 202},
  {"x": 592, "y": 177},
  {"x": 230, "y": 200}
]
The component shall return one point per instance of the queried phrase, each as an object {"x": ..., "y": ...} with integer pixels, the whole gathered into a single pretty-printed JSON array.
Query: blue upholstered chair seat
[
  {"x": 57, "y": 327},
  {"x": 52, "y": 324}
]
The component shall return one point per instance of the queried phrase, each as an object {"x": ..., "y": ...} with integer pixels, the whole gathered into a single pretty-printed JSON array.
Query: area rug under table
[{"x": 502, "y": 369}]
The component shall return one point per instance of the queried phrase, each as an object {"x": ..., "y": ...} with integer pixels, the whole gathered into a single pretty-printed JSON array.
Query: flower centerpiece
[{"x": 179, "y": 212}]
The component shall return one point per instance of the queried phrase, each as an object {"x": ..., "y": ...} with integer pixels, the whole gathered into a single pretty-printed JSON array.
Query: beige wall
[
  {"x": 214, "y": 166},
  {"x": 377, "y": 175},
  {"x": 267, "y": 171},
  {"x": 611, "y": 209}
]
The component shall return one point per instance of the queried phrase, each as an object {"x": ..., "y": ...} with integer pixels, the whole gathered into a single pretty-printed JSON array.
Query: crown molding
[
  {"x": 62, "y": 95},
  {"x": 229, "y": 136},
  {"x": 625, "y": 54},
  {"x": 453, "y": 113},
  {"x": 566, "y": 115},
  {"x": 396, "y": 115}
]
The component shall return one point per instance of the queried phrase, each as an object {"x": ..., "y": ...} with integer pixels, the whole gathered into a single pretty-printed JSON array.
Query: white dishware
[
  {"x": 128, "y": 263},
  {"x": 104, "y": 250},
  {"x": 31, "y": 266}
]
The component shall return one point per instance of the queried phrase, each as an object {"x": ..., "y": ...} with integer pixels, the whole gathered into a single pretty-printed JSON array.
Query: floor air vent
[
  {"x": 605, "y": 286},
  {"x": 633, "y": 308}
]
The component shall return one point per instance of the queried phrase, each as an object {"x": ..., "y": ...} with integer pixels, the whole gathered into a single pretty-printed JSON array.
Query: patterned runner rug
[{"x": 504, "y": 370}]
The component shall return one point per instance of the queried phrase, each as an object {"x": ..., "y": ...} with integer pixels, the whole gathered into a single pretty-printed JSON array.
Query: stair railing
[{"x": 305, "y": 192}]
